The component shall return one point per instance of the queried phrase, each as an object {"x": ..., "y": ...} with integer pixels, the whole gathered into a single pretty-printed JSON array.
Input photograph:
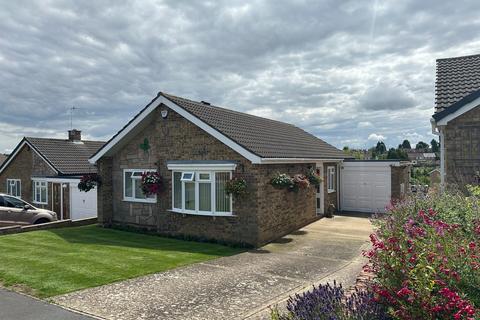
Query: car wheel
[{"x": 43, "y": 220}]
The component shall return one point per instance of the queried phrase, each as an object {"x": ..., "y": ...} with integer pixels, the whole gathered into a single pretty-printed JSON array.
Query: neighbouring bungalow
[
  {"x": 457, "y": 119},
  {"x": 46, "y": 173},
  {"x": 199, "y": 151}
]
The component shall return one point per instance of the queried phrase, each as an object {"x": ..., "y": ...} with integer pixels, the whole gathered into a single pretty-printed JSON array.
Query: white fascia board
[
  {"x": 202, "y": 166},
  {"x": 459, "y": 112},
  {"x": 196, "y": 121},
  {"x": 296, "y": 160},
  {"x": 371, "y": 163},
  {"x": 11, "y": 157},
  {"x": 56, "y": 180},
  {"x": 210, "y": 130},
  {"x": 153, "y": 105}
]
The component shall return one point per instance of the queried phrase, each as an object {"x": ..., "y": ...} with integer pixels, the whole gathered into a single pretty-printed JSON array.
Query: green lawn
[{"x": 58, "y": 261}]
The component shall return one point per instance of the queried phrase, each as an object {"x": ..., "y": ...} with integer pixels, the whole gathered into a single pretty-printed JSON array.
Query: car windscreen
[{"x": 13, "y": 202}]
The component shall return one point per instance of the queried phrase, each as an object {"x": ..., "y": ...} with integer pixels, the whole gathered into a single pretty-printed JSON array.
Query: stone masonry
[
  {"x": 262, "y": 215},
  {"x": 400, "y": 175},
  {"x": 27, "y": 164},
  {"x": 462, "y": 148}
]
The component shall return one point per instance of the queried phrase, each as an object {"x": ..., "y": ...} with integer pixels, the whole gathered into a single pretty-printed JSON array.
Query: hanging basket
[
  {"x": 236, "y": 186},
  {"x": 89, "y": 182},
  {"x": 152, "y": 183}
]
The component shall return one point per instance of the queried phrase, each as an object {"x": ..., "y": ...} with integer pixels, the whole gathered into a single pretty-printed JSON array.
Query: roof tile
[
  {"x": 264, "y": 137},
  {"x": 70, "y": 158},
  {"x": 456, "y": 78}
]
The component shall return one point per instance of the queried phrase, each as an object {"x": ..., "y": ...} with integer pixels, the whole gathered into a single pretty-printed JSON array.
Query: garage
[{"x": 371, "y": 185}]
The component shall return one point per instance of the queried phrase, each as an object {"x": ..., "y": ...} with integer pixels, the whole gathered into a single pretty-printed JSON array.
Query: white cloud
[{"x": 376, "y": 137}]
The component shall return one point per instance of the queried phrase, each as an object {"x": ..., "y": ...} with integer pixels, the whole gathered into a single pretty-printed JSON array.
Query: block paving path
[{"x": 237, "y": 287}]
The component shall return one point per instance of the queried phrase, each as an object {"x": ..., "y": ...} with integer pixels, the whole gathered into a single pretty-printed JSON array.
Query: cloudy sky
[{"x": 351, "y": 72}]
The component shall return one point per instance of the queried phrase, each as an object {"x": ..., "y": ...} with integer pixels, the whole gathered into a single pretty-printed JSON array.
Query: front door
[
  {"x": 320, "y": 191},
  {"x": 60, "y": 197}
]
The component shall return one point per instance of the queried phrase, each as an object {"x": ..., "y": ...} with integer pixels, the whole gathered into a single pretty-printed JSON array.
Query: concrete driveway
[{"x": 237, "y": 287}]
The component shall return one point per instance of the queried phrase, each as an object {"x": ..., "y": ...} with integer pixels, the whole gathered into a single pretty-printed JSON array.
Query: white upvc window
[
  {"x": 132, "y": 186},
  {"x": 201, "y": 192},
  {"x": 40, "y": 192},
  {"x": 14, "y": 187},
  {"x": 331, "y": 183}
]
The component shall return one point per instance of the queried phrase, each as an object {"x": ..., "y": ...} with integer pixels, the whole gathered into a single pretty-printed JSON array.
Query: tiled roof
[
  {"x": 263, "y": 137},
  {"x": 456, "y": 78},
  {"x": 68, "y": 157}
]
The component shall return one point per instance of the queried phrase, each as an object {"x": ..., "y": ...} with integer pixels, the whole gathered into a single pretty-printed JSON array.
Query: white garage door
[
  {"x": 84, "y": 204},
  {"x": 366, "y": 186}
]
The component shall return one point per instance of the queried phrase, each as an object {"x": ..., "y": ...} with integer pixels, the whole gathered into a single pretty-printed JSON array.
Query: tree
[
  {"x": 397, "y": 154},
  {"x": 380, "y": 148},
  {"x": 406, "y": 144},
  {"x": 421, "y": 145},
  {"x": 435, "y": 145},
  {"x": 392, "y": 153}
]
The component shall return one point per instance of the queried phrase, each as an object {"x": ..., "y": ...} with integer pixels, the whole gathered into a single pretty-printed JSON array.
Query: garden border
[{"x": 49, "y": 225}]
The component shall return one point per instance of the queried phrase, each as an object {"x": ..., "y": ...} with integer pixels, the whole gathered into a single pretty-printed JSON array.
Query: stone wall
[
  {"x": 281, "y": 211},
  {"x": 400, "y": 176},
  {"x": 262, "y": 215},
  {"x": 19, "y": 168},
  {"x": 462, "y": 148},
  {"x": 40, "y": 168},
  {"x": 27, "y": 164}
]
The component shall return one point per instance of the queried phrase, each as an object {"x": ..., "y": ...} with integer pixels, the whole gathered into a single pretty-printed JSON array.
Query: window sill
[
  {"x": 207, "y": 214},
  {"x": 331, "y": 191},
  {"x": 140, "y": 201},
  {"x": 35, "y": 202}
]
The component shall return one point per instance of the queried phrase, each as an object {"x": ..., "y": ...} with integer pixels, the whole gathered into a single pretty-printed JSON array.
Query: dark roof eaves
[{"x": 456, "y": 106}]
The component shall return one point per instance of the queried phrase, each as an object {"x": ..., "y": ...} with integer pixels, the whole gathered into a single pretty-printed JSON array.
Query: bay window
[
  {"x": 40, "y": 192},
  {"x": 201, "y": 192},
  {"x": 14, "y": 187},
  {"x": 132, "y": 186}
]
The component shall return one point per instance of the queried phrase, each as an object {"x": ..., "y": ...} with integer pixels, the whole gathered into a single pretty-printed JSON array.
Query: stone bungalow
[
  {"x": 46, "y": 173},
  {"x": 196, "y": 147},
  {"x": 457, "y": 119}
]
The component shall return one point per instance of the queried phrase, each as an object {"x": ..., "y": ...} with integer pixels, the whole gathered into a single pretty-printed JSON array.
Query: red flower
[{"x": 404, "y": 292}]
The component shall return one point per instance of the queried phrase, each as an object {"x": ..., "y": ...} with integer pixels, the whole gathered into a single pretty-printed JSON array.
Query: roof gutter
[{"x": 297, "y": 160}]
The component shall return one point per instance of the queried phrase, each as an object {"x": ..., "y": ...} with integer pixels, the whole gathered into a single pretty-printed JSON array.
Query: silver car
[{"x": 14, "y": 211}]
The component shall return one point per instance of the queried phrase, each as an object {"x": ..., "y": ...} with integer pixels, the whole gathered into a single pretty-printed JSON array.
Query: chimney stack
[{"x": 74, "y": 135}]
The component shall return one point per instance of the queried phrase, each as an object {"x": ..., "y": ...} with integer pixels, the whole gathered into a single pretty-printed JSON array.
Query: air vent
[{"x": 206, "y": 103}]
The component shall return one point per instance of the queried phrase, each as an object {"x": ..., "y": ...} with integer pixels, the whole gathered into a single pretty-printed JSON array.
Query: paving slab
[{"x": 238, "y": 287}]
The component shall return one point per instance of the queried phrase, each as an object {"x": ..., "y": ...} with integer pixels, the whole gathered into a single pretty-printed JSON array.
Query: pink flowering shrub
[{"x": 426, "y": 258}]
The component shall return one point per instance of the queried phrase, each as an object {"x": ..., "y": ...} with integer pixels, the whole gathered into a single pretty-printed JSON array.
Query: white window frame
[
  {"x": 133, "y": 198},
  {"x": 18, "y": 183},
  {"x": 197, "y": 181},
  {"x": 331, "y": 185},
  {"x": 192, "y": 176},
  {"x": 38, "y": 184}
]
